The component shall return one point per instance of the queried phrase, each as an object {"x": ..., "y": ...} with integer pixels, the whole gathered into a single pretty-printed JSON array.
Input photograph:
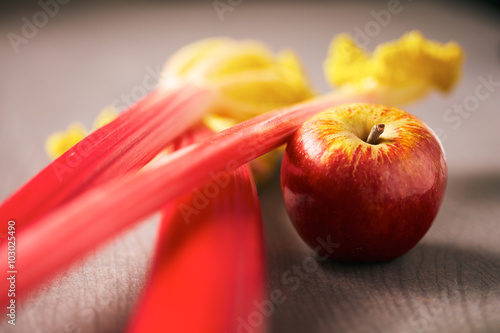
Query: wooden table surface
[{"x": 90, "y": 56}]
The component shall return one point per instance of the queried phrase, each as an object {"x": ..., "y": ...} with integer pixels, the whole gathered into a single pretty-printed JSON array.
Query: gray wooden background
[{"x": 88, "y": 56}]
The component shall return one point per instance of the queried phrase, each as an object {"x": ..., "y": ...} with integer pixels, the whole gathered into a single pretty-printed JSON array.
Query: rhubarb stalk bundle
[{"x": 241, "y": 78}]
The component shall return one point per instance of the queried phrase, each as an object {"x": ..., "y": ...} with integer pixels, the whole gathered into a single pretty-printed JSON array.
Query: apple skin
[{"x": 375, "y": 202}]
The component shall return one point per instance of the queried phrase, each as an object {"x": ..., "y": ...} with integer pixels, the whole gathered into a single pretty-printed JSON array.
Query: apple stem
[{"x": 375, "y": 133}]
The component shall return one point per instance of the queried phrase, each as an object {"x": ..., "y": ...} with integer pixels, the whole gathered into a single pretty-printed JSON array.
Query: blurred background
[{"x": 64, "y": 60}]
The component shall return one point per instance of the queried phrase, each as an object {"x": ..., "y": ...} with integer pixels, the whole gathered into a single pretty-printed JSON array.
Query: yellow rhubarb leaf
[
  {"x": 247, "y": 77},
  {"x": 401, "y": 71},
  {"x": 59, "y": 142}
]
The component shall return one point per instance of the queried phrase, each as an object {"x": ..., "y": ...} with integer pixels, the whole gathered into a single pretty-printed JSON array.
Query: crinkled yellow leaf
[
  {"x": 180, "y": 63},
  {"x": 248, "y": 94},
  {"x": 291, "y": 69},
  {"x": 346, "y": 62},
  {"x": 59, "y": 142},
  {"x": 234, "y": 59},
  {"x": 246, "y": 76},
  {"x": 403, "y": 70}
]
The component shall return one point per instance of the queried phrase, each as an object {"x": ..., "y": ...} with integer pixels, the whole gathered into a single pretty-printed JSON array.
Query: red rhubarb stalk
[
  {"x": 122, "y": 147},
  {"x": 209, "y": 261},
  {"x": 208, "y": 272}
]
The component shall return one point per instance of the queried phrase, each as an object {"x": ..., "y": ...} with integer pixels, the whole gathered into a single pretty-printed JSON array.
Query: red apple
[{"x": 368, "y": 202}]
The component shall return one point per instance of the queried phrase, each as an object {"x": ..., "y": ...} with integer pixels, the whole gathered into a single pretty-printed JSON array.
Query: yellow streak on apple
[{"x": 347, "y": 128}]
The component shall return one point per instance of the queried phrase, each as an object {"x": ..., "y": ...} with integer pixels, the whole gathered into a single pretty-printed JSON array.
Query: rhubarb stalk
[
  {"x": 208, "y": 265},
  {"x": 122, "y": 147}
]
